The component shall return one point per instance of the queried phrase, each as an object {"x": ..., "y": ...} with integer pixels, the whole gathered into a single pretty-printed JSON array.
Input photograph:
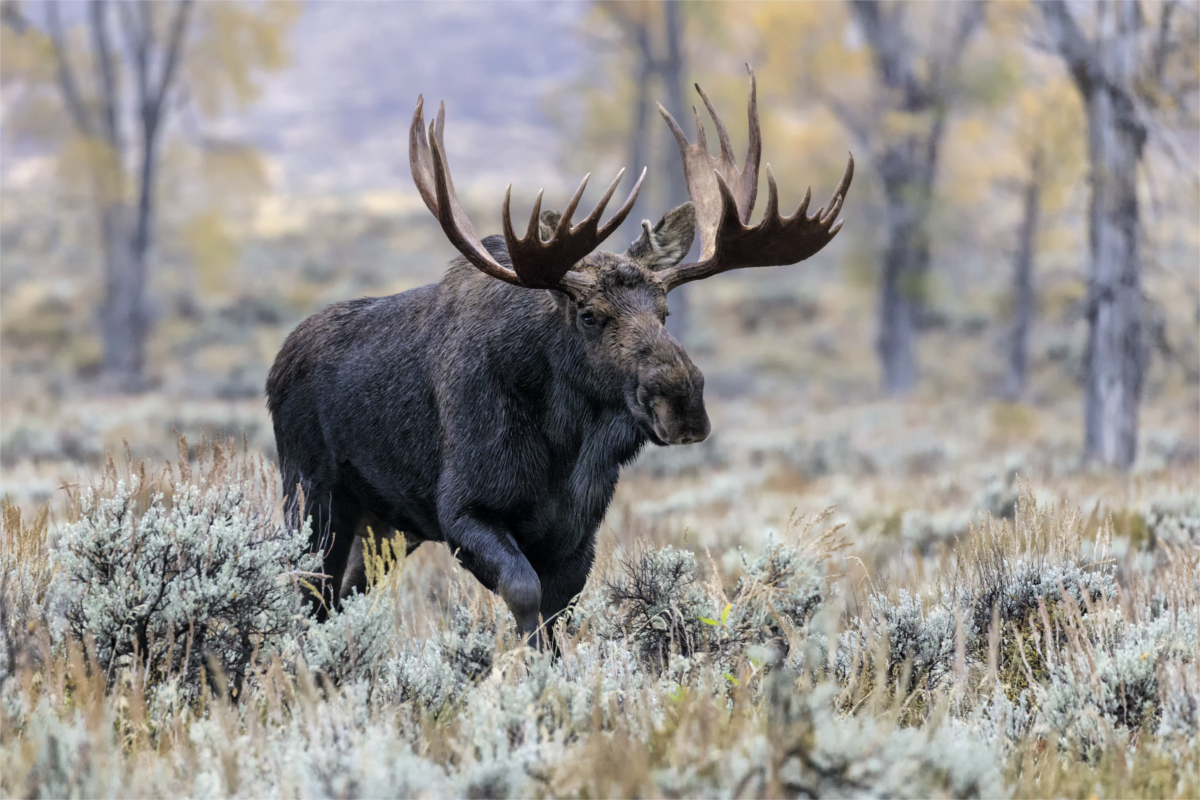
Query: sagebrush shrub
[
  {"x": 1175, "y": 520},
  {"x": 657, "y": 604},
  {"x": 183, "y": 576},
  {"x": 25, "y": 574},
  {"x": 783, "y": 586},
  {"x": 354, "y": 640}
]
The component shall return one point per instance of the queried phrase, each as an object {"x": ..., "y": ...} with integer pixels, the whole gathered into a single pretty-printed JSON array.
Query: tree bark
[
  {"x": 123, "y": 318},
  {"x": 1023, "y": 302},
  {"x": 659, "y": 57},
  {"x": 908, "y": 168},
  {"x": 905, "y": 264},
  {"x": 639, "y": 146},
  {"x": 671, "y": 71},
  {"x": 1115, "y": 356},
  {"x": 1105, "y": 70}
]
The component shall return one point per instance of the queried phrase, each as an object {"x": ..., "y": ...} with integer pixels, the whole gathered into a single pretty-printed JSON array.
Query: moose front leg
[
  {"x": 489, "y": 552},
  {"x": 562, "y": 585}
]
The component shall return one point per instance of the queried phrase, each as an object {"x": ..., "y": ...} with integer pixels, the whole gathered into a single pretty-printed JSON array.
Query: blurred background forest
[{"x": 1015, "y": 290}]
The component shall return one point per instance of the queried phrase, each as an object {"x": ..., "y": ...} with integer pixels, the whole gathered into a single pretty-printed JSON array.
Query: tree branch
[
  {"x": 174, "y": 52},
  {"x": 1163, "y": 45},
  {"x": 136, "y": 40},
  {"x": 889, "y": 51},
  {"x": 152, "y": 103},
  {"x": 969, "y": 20},
  {"x": 1071, "y": 42},
  {"x": 10, "y": 15},
  {"x": 66, "y": 76},
  {"x": 104, "y": 66}
]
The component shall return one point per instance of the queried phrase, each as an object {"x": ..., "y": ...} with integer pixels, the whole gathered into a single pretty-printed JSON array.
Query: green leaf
[
  {"x": 708, "y": 621},
  {"x": 734, "y": 680},
  {"x": 725, "y": 613}
]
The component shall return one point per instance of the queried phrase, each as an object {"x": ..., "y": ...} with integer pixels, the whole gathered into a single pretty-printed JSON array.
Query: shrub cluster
[
  {"x": 670, "y": 678},
  {"x": 172, "y": 579}
]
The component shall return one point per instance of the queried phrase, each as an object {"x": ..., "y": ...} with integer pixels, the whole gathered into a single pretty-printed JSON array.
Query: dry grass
[
  {"x": 939, "y": 654},
  {"x": 1026, "y": 658}
]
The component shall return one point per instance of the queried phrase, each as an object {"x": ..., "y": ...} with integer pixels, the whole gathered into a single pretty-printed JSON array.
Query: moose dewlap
[{"x": 494, "y": 410}]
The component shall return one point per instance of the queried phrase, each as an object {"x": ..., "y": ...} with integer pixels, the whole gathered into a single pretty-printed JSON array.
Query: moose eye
[{"x": 588, "y": 318}]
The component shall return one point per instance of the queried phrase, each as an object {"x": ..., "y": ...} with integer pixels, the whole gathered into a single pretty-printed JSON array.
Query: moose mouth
[
  {"x": 654, "y": 434},
  {"x": 661, "y": 435},
  {"x": 650, "y": 427}
]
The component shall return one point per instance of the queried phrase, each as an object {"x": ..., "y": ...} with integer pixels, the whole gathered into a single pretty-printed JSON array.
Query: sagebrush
[{"x": 156, "y": 645}]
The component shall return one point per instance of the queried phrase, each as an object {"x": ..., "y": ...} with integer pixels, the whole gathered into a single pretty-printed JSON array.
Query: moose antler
[
  {"x": 536, "y": 264},
  {"x": 724, "y": 197}
]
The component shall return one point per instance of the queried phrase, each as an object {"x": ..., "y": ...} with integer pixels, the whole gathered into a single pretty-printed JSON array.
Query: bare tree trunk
[
  {"x": 1018, "y": 358},
  {"x": 123, "y": 318},
  {"x": 917, "y": 83},
  {"x": 899, "y": 297},
  {"x": 639, "y": 148},
  {"x": 908, "y": 187},
  {"x": 1115, "y": 356},
  {"x": 671, "y": 71},
  {"x": 661, "y": 57},
  {"x": 1105, "y": 71}
]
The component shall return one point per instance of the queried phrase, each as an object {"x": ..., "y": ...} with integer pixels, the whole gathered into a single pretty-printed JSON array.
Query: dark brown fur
[{"x": 491, "y": 417}]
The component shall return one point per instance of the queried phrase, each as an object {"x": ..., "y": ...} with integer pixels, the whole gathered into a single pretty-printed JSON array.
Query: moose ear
[
  {"x": 668, "y": 242},
  {"x": 547, "y": 222}
]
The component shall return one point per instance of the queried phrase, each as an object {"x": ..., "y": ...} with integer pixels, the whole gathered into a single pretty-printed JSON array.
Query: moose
[{"x": 494, "y": 410}]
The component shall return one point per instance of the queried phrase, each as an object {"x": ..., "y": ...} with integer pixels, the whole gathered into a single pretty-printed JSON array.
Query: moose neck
[{"x": 591, "y": 409}]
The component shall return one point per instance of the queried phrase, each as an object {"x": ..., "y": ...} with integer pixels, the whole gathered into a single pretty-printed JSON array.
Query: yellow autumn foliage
[{"x": 212, "y": 248}]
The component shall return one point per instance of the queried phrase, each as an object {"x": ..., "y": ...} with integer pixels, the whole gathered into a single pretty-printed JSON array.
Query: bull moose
[{"x": 494, "y": 409}]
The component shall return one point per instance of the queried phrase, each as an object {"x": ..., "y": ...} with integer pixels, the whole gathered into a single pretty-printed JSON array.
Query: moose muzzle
[{"x": 673, "y": 401}]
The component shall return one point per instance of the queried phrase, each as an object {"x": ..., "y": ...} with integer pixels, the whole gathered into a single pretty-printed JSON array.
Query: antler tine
[
  {"x": 772, "y": 208},
  {"x": 431, "y": 174},
  {"x": 625, "y": 208},
  {"x": 839, "y": 194},
  {"x": 802, "y": 211},
  {"x": 753, "y": 147},
  {"x": 564, "y": 222},
  {"x": 535, "y": 263},
  {"x": 701, "y": 140},
  {"x": 419, "y": 159},
  {"x": 531, "y": 230},
  {"x": 724, "y": 198},
  {"x": 722, "y": 134}
]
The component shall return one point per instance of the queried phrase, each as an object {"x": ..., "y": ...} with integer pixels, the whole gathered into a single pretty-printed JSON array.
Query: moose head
[{"x": 617, "y": 302}]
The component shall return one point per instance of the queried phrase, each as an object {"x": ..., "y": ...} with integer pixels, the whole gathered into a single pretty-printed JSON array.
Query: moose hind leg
[
  {"x": 355, "y": 575},
  {"x": 335, "y": 519}
]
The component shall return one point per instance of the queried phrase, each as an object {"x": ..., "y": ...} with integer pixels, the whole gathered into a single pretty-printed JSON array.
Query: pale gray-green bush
[
  {"x": 355, "y": 639},
  {"x": 1175, "y": 520},
  {"x": 205, "y": 577},
  {"x": 671, "y": 678}
]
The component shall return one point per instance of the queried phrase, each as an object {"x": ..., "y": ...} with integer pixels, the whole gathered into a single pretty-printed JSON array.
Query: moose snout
[
  {"x": 674, "y": 424},
  {"x": 676, "y": 410}
]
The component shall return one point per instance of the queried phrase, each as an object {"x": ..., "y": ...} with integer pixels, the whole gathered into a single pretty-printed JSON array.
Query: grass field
[
  {"x": 837, "y": 594},
  {"x": 154, "y": 645}
]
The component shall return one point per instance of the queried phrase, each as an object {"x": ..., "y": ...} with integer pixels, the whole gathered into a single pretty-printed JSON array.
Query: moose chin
[{"x": 493, "y": 410}]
